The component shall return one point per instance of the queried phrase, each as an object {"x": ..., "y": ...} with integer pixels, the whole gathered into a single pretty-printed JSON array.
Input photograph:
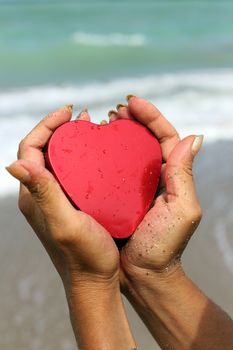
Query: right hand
[{"x": 159, "y": 241}]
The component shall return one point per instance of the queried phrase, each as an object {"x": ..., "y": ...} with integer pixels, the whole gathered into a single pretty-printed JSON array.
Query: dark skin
[{"x": 147, "y": 268}]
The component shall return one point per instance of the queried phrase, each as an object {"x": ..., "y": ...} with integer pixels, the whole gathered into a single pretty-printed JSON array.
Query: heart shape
[{"x": 110, "y": 172}]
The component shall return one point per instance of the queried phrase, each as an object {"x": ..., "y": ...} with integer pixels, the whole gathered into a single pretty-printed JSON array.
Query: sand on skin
[{"x": 34, "y": 314}]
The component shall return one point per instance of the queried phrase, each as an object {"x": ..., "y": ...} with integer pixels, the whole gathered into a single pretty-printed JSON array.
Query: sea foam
[
  {"x": 195, "y": 102},
  {"x": 114, "y": 39}
]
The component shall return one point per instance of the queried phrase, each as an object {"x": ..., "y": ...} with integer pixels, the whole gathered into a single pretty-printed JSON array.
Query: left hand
[{"x": 80, "y": 248}]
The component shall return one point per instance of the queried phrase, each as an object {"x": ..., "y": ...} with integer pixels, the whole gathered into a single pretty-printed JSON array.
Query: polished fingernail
[
  {"x": 112, "y": 113},
  {"x": 18, "y": 171},
  {"x": 103, "y": 122},
  {"x": 129, "y": 97},
  {"x": 197, "y": 143},
  {"x": 84, "y": 111},
  {"x": 69, "y": 108},
  {"x": 120, "y": 105}
]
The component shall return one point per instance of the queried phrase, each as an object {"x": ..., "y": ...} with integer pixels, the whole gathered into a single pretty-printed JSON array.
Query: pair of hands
[
  {"x": 82, "y": 251},
  {"x": 81, "y": 248}
]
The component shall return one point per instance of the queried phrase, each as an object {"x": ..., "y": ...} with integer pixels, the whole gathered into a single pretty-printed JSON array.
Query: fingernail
[
  {"x": 84, "y": 111},
  {"x": 69, "y": 108},
  {"x": 129, "y": 97},
  {"x": 103, "y": 122},
  {"x": 119, "y": 106},
  {"x": 18, "y": 171},
  {"x": 112, "y": 113},
  {"x": 197, "y": 143}
]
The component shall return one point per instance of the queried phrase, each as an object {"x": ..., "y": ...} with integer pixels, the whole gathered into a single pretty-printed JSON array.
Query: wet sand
[{"x": 34, "y": 314}]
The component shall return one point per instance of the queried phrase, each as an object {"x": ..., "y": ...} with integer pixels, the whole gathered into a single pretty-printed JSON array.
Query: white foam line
[
  {"x": 113, "y": 39},
  {"x": 193, "y": 90},
  {"x": 224, "y": 246}
]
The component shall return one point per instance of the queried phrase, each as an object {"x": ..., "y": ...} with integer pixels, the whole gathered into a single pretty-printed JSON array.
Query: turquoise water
[
  {"x": 178, "y": 54},
  {"x": 52, "y": 42}
]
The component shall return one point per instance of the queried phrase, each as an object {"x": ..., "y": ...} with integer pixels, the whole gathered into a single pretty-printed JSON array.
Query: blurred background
[{"x": 178, "y": 54}]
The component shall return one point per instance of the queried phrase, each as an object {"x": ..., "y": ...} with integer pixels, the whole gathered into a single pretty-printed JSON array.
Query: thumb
[
  {"x": 179, "y": 177},
  {"x": 42, "y": 185}
]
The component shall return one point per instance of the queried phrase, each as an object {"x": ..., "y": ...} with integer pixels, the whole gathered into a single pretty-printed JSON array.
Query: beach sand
[{"x": 34, "y": 313}]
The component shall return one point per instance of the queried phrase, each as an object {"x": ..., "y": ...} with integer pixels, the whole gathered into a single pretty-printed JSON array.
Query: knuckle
[
  {"x": 199, "y": 213},
  {"x": 23, "y": 207},
  {"x": 172, "y": 136},
  {"x": 188, "y": 169},
  {"x": 22, "y": 143},
  {"x": 22, "y": 146},
  {"x": 195, "y": 213},
  {"x": 73, "y": 233},
  {"x": 66, "y": 239},
  {"x": 39, "y": 191},
  {"x": 83, "y": 223}
]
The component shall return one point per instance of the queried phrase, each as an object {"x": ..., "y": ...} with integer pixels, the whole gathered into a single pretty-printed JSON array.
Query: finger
[
  {"x": 31, "y": 146},
  {"x": 112, "y": 116},
  {"x": 43, "y": 188},
  {"x": 147, "y": 114},
  {"x": 179, "y": 179},
  {"x": 103, "y": 122},
  {"x": 123, "y": 112},
  {"x": 84, "y": 115}
]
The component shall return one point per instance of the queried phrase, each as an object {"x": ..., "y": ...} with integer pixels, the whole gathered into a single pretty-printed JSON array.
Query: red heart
[{"x": 110, "y": 172}]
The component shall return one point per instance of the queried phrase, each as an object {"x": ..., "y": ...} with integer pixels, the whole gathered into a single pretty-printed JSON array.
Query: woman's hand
[
  {"x": 79, "y": 247},
  {"x": 176, "y": 312},
  {"x": 82, "y": 251},
  {"x": 161, "y": 237}
]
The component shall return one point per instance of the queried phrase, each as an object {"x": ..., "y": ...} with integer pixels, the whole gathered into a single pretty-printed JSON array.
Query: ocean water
[{"x": 178, "y": 54}]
